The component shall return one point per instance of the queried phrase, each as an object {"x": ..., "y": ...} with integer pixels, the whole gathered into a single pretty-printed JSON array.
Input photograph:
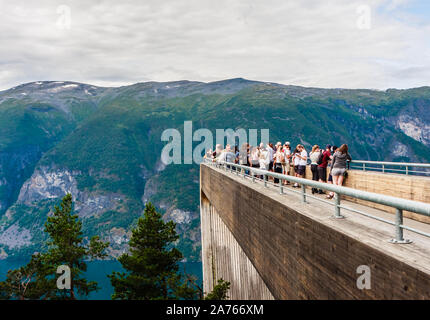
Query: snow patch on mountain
[{"x": 61, "y": 88}]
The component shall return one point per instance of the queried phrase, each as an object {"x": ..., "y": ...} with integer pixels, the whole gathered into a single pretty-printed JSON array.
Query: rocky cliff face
[
  {"x": 16, "y": 165},
  {"x": 415, "y": 128},
  {"x": 48, "y": 183}
]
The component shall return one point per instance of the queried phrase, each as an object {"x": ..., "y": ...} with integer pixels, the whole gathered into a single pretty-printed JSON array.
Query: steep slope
[{"x": 33, "y": 118}]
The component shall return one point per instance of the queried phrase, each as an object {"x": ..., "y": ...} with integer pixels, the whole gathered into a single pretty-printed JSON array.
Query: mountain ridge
[{"x": 209, "y": 82}]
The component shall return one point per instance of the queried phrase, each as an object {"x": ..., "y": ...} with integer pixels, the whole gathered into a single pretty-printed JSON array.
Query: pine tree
[
  {"x": 38, "y": 279},
  {"x": 219, "y": 292},
  {"x": 27, "y": 282},
  {"x": 152, "y": 270}
]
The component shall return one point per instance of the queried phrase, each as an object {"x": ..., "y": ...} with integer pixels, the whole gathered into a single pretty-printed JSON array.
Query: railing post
[
  {"x": 265, "y": 181},
  {"x": 407, "y": 170},
  {"x": 364, "y": 167},
  {"x": 399, "y": 230},
  {"x": 253, "y": 176},
  {"x": 383, "y": 168},
  {"x": 337, "y": 214},
  {"x": 303, "y": 193},
  {"x": 281, "y": 188}
]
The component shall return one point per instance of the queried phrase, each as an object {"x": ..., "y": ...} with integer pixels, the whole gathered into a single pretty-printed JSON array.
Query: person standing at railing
[
  {"x": 243, "y": 157},
  {"x": 279, "y": 158},
  {"x": 229, "y": 154},
  {"x": 339, "y": 166},
  {"x": 322, "y": 166},
  {"x": 263, "y": 158},
  {"x": 236, "y": 154},
  {"x": 221, "y": 156},
  {"x": 330, "y": 178},
  {"x": 254, "y": 160},
  {"x": 226, "y": 155},
  {"x": 208, "y": 155},
  {"x": 314, "y": 156},
  {"x": 218, "y": 151},
  {"x": 287, "y": 164},
  {"x": 296, "y": 161},
  {"x": 302, "y": 160},
  {"x": 271, "y": 152}
]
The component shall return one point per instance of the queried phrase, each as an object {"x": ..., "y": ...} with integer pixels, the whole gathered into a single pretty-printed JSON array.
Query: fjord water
[{"x": 98, "y": 271}]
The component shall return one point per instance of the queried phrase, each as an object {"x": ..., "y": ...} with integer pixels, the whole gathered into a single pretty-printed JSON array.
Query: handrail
[
  {"x": 405, "y": 167},
  {"x": 398, "y": 203},
  {"x": 401, "y": 164}
]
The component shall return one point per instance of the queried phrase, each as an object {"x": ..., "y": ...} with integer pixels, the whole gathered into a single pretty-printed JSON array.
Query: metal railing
[
  {"x": 398, "y": 203},
  {"x": 391, "y": 167}
]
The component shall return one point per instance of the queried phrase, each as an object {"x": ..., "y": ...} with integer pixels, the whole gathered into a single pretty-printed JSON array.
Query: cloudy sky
[{"x": 338, "y": 43}]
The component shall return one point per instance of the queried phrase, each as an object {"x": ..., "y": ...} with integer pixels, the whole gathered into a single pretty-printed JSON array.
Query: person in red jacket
[{"x": 322, "y": 167}]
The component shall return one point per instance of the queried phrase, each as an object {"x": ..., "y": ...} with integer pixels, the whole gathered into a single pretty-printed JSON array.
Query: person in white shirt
[
  {"x": 279, "y": 159},
  {"x": 271, "y": 153},
  {"x": 218, "y": 150},
  {"x": 296, "y": 158},
  {"x": 303, "y": 157},
  {"x": 254, "y": 160},
  {"x": 296, "y": 161},
  {"x": 220, "y": 158},
  {"x": 264, "y": 158},
  {"x": 300, "y": 161},
  {"x": 314, "y": 155},
  {"x": 303, "y": 161},
  {"x": 287, "y": 155}
]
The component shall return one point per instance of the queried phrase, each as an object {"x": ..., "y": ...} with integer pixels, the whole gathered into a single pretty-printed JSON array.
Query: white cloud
[{"x": 309, "y": 42}]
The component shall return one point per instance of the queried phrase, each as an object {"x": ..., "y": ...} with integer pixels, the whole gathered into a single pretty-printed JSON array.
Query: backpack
[
  {"x": 280, "y": 156},
  {"x": 320, "y": 158}
]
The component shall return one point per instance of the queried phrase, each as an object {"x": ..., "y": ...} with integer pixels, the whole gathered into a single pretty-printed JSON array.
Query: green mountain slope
[{"x": 104, "y": 146}]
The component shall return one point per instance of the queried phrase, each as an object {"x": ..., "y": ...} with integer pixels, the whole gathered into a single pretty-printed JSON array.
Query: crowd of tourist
[{"x": 280, "y": 158}]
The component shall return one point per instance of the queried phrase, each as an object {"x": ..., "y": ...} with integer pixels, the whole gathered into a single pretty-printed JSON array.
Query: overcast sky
[{"x": 337, "y": 43}]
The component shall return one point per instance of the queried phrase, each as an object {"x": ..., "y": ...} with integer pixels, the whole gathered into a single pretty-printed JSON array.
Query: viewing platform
[{"x": 283, "y": 243}]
